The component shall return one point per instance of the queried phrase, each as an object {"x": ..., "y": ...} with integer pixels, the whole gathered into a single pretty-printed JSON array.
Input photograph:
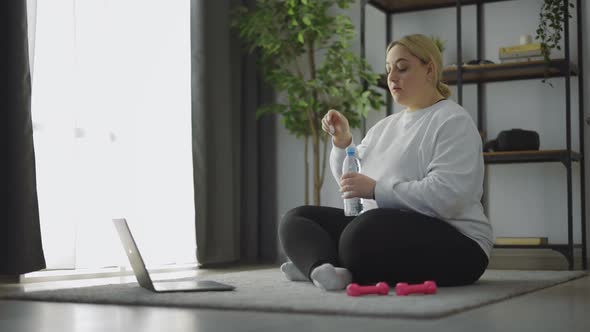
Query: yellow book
[
  {"x": 520, "y": 48},
  {"x": 521, "y": 241}
]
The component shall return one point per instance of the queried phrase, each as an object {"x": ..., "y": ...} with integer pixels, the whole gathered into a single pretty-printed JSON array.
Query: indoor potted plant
[{"x": 303, "y": 53}]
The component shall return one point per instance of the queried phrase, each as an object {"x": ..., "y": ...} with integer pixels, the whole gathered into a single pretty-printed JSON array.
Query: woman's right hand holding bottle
[{"x": 336, "y": 124}]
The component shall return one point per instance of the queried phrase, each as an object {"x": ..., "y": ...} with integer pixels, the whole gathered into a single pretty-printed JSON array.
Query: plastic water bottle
[{"x": 352, "y": 206}]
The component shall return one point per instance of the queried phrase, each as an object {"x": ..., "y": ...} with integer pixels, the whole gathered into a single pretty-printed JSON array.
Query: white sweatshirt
[{"x": 429, "y": 161}]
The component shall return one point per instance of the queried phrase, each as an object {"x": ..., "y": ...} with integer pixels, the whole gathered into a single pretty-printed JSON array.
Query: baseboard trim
[{"x": 106, "y": 272}]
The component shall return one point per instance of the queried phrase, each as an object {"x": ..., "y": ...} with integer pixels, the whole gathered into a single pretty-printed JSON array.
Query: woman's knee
[
  {"x": 306, "y": 211},
  {"x": 299, "y": 211},
  {"x": 311, "y": 212},
  {"x": 291, "y": 222},
  {"x": 290, "y": 216},
  {"x": 367, "y": 226},
  {"x": 360, "y": 238}
]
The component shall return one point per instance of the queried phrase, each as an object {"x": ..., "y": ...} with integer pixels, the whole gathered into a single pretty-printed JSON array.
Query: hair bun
[{"x": 443, "y": 89}]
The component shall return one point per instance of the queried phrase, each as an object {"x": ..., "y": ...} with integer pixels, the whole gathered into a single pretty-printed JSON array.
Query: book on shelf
[
  {"x": 522, "y": 241},
  {"x": 520, "y": 54},
  {"x": 508, "y": 53},
  {"x": 520, "y": 48}
]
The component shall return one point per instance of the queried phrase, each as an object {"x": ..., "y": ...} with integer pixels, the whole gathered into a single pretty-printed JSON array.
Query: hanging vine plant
[{"x": 551, "y": 25}]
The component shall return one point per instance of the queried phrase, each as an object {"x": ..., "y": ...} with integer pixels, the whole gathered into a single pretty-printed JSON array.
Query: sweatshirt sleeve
[
  {"x": 453, "y": 176},
  {"x": 337, "y": 154}
]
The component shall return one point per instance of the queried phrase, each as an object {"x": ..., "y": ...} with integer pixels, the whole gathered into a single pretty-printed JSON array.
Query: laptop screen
[{"x": 137, "y": 264}]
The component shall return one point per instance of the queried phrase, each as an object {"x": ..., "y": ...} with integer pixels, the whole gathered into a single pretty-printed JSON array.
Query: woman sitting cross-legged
[{"x": 421, "y": 186}]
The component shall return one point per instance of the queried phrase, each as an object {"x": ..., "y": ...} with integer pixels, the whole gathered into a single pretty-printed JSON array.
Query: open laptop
[{"x": 143, "y": 277}]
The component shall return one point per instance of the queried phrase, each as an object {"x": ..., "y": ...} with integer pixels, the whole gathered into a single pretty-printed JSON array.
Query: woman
[{"x": 421, "y": 187}]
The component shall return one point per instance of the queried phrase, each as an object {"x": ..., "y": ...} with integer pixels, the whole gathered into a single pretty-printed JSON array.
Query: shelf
[
  {"x": 534, "y": 156},
  {"x": 561, "y": 248},
  {"x": 507, "y": 71},
  {"x": 400, "y": 6},
  {"x": 478, "y": 74},
  {"x": 501, "y": 72},
  {"x": 528, "y": 246}
]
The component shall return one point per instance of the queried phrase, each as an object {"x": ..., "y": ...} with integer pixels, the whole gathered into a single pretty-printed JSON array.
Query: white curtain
[
  {"x": 32, "y": 21},
  {"x": 112, "y": 129}
]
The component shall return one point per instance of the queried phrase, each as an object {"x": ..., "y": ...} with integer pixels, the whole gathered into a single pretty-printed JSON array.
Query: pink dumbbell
[
  {"x": 380, "y": 288},
  {"x": 402, "y": 288}
]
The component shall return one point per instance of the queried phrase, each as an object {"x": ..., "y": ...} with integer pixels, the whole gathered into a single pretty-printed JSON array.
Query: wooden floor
[{"x": 565, "y": 307}]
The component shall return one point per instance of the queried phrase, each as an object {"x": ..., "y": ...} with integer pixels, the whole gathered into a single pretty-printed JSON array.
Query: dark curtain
[
  {"x": 20, "y": 236},
  {"x": 233, "y": 152}
]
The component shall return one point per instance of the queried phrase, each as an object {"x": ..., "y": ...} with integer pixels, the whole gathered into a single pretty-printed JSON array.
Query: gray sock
[
  {"x": 328, "y": 277},
  {"x": 292, "y": 273}
]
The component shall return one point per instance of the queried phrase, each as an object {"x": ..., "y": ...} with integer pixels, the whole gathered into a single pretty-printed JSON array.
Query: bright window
[{"x": 112, "y": 127}]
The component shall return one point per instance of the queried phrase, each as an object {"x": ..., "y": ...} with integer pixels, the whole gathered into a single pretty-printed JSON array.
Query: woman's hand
[
  {"x": 357, "y": 185},
  {"x": 336, "y": 125}
]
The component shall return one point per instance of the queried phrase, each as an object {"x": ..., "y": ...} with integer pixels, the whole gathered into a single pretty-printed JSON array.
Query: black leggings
[{"x": 391, "y": 245}]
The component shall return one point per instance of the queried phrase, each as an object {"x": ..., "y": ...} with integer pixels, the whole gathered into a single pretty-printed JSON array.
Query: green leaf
[
  {"x": 306, "y": 20},
  {"x": 300, "y": 37}
]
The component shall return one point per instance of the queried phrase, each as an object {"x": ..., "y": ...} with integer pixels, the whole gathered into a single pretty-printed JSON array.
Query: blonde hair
[{"x": 424, "y": 48}]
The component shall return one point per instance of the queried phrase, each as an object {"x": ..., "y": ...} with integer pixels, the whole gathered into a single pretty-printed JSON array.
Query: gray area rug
[{"x": 267, "y": 290}]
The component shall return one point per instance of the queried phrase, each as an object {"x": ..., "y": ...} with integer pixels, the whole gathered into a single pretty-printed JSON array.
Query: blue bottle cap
[{"x": 350, "y": 151}]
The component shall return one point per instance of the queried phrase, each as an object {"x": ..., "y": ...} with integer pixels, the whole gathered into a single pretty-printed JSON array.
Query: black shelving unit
[
  {"x": 501, "y": 72},
  {"x": 481, "y": 74}
]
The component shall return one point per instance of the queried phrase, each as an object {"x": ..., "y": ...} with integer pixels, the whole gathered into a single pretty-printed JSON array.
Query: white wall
[{"x": 523, "y": 199}]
